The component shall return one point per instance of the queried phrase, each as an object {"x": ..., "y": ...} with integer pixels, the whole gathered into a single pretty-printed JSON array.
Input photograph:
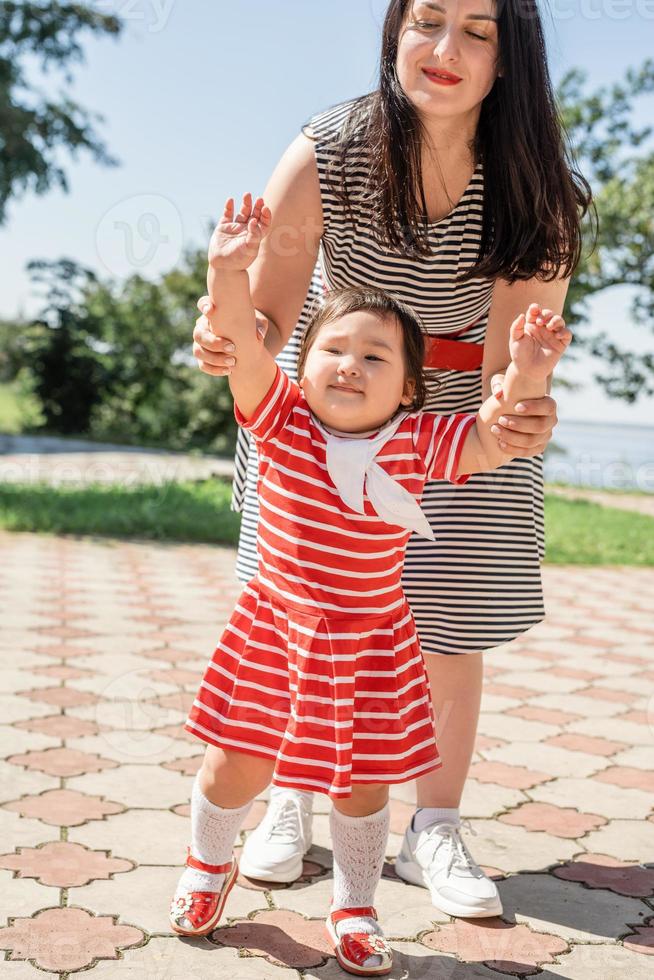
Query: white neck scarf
[{"x": 351, "y": 465}]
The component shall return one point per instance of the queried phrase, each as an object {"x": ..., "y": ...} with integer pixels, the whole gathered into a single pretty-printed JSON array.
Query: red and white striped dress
[{"x": 319, "y": 668}]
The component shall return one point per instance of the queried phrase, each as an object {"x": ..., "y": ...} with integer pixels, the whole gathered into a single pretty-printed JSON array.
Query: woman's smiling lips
[{"x": 441, "y": 77}]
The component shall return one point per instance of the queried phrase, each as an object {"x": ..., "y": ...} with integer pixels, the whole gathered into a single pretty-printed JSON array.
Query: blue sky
[{"x": 200, "y": 97}]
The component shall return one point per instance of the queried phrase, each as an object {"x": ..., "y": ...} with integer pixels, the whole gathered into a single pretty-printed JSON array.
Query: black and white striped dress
[{"x": 479, "y": 584}]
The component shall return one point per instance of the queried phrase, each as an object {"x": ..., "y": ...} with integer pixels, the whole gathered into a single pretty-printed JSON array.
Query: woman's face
[{"x": 447, "y": 58}]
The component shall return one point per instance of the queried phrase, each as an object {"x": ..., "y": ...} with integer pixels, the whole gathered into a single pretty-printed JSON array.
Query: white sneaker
[
  {"x": 274, "y": 850},
  {"x": 436, "y": 858}
]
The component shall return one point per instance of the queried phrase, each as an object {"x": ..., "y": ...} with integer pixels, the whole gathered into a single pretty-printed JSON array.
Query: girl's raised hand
[
  {"x": 538, "y": 341},
  {"x": 236, "y": 239}
]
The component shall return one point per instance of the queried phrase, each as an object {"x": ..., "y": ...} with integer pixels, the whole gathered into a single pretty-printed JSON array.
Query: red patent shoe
[
  {"x": 354, "y": 948},
  {"x": 202, "y": 909}
]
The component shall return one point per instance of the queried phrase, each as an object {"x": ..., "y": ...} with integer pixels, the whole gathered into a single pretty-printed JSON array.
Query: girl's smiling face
[
  {"x": 455, "y": 37},
  {"x": 355, "y": 372}
]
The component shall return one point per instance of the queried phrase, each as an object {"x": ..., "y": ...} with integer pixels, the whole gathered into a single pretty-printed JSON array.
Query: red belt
[{"x": 453, "y": 355}]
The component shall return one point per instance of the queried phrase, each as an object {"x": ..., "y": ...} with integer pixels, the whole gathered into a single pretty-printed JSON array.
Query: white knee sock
[
  {"x": 359, "y": 845},
  {"x": 213, "y": 832}
]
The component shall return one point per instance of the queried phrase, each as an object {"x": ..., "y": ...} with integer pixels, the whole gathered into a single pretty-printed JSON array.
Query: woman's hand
[
  {"x": 216, "y": 355},
  {"x": 528, "y": 433}
]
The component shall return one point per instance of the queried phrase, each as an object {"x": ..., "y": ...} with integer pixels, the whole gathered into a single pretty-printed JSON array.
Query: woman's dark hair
[
  {"x": 534, "y": 197},
  {"x": 341, "y": 302}
]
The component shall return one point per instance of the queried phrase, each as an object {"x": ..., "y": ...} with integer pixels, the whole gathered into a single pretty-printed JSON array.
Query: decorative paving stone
[
  {"x": 16, "y": 782},
  {"x": 499, "y": 945},
  {"x": 602, "y": 962},
  {"x": 126, "y": 746},
  {"x": 626, "y": 840},
  {"x": 556, "y": 762},
  {"x": 136, "y": 785},
  {"x": 282, "y": 938},
  {"x": 61, "y": 697},
  {"x": 569, "y": 910},
  {"x": 553, "y": 819},
  {"x": 168, "y": 958},
  {"x": 171, "y": 655},
  {"x": 63, "y": 864},
  {"x": 13, "y": 740},
  {"x": 62, "y": 762},
  {"x": 66, "y": 651},
  {"x": 603, "y": 871},
  {"x": 628, "y": 778},
  {"x": 514, "y": 849},
  {"x": 67, "y": 939},
  {"x": 483, "y": 743},
  {"x": 641, "y": 940},
  {"x": 144, "y": 836},
  {"x": 178, "y": 732},
  {"x": 585, "y": 743},
  {"x": 59, "y": 726},
  {"x": 513, "y": 777},
  {"x": 485, "y": 799},
  {"x": 175, "y": 676},
  {"x": 64, "y": 807},
  {"x": 144, "y": 895},
  {"x": 600, "y": 798},
  {"x": 549, "y": 716},
  {"x": 187, "y": 767},
  {"x": 61, "y": 672}
]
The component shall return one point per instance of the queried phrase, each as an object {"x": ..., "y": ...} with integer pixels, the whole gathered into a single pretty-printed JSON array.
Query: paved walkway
[{"x": 102, "y": 647}]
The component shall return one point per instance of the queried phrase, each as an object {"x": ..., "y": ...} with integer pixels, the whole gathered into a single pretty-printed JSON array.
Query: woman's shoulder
[{"x": 329, "y": 125}]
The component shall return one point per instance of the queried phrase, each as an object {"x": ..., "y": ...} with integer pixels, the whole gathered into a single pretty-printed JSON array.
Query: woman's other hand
[
  {"x": 216, "y": 355},
  {"x": 527, "y": 433}
]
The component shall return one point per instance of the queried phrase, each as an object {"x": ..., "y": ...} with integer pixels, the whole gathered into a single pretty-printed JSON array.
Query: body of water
[{"x": 601, "y": 454}]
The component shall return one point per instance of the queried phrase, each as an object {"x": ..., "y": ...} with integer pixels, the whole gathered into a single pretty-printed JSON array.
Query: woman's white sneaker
[
  {"x": 436, "y": 858},
  {"x": 275, "y": 849}
]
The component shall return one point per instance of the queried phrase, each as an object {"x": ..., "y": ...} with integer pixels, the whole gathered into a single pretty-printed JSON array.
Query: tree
[
  {"x": 113, "y": 362},
  {"x": 617, "y": 158},
  {"x": 33, "y": 127}
]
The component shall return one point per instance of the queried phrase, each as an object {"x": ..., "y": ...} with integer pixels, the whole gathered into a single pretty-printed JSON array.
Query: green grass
[
  {"x": 583, "y": 533},
  {"x": 578, "y": 533},
  {"x": 171, "y": 512}
]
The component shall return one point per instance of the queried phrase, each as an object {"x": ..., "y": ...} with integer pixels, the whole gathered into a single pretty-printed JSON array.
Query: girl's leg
[
  {"x": 222, "y": 795},
  {"x": 359, "y": 829}
]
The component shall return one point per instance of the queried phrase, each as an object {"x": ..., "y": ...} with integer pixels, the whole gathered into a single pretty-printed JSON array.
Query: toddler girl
[{"x": 318, "y": 681}]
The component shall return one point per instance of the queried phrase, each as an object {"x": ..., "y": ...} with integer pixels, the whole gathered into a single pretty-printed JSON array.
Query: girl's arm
[
  {"x": 530, "y": 431},
  {"x": 234, "y": 245},
  {"x": 282, "y": 272},
  {"x": 536, "y": 344}
]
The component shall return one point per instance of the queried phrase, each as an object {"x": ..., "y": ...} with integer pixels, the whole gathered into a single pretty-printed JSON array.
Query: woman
[{"x": 449, "y": 186}]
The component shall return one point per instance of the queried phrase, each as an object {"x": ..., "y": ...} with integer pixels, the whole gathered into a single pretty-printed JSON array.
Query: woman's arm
[
  {"x": 528, "y": 433},
  {"x": 280, "y": 277}
]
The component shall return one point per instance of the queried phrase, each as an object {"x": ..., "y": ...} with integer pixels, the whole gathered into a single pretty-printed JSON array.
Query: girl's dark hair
[
  {"x": 534, "y": 198},
  {"x": 340, "y": 302}
]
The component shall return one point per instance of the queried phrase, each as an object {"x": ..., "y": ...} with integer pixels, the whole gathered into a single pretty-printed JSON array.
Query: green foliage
[
  {"x": 36, "y": 128},
  {"x": 114, "y": 363},
  {"x": 618, "y": 159}
]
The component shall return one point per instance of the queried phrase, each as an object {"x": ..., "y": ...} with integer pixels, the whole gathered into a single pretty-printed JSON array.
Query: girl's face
[
  {"x": 354, "y": 375},
  {"x": 447, "y": 58}
]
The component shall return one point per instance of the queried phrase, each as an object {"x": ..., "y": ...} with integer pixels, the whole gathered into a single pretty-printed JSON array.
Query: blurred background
[{"x": 126, "y": 123}]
